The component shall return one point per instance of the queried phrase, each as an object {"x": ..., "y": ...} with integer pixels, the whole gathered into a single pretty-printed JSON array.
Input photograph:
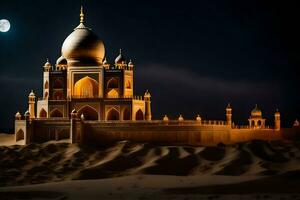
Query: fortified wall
[{"x": 170, "y": 132}]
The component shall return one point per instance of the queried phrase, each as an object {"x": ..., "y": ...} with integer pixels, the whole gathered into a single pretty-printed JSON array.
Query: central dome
[{"x": 82, "y": 47}]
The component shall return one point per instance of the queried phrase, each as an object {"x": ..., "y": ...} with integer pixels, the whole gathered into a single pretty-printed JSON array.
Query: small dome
[
  {"x": 105, "y": 62},
  {"x": 277, "y": 113},
  {"x": 47, "y": 64},
  {"x": 198, "y": 118},
  {"x": 166, "y": 118},
  {"x": 256, "y": 112},
  {"x": 31, "y": 94},
  {"x": 180, "y": 118},
  {"x": 147, "y": 94},
  {"x": 130, "y": 64},
  {"x": 26, "y": 114},
  {"x": 120, "y": 59},
  {"x": 61, "y": 61},
  {"x": 18, "y": 115}
]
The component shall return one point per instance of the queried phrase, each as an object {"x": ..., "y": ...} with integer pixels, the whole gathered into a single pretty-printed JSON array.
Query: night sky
[{"x": 194, "y": 57}]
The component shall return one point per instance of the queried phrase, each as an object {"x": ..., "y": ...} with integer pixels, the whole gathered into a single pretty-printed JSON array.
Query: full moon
[{"x": 4, "y": 25}]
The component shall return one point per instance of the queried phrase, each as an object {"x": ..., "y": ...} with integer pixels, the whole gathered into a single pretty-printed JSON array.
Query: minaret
[
  {"x": 147, "y": 98},
  {"x": 229, "y": 115},
  {"x": 31, "y": 104},
  {"x": 277, "y": 120},
  {"x": 47, "y": 68}
]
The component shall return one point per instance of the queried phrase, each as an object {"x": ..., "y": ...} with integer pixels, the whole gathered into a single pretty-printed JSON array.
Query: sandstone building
[{"x": 87, "y": 99}]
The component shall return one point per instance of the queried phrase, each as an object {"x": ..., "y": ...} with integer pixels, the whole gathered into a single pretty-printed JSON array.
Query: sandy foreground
[{"x": 126, "y": 170}]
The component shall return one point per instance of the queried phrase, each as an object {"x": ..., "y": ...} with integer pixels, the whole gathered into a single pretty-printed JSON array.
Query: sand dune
[{"x": 51, "y": 162}]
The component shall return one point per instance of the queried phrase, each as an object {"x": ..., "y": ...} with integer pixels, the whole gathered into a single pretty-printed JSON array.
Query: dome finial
[
  {"x": 120, "y": 51},
  {"x": 81, "y": 15}
]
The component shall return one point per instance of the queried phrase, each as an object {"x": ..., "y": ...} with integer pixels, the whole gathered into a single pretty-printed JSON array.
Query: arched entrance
[
  {"x": 126, "y": 114},
  {"x": 43, "y": 113},
  {"x": 20, "y": 135},
  {"x": 139, "y": 115},
  {"x": 86, "y": 88},
  {"x": 88, "y": 112},
  {"x": 113, "y": 114},
  {"x": 56, "y": 113}
]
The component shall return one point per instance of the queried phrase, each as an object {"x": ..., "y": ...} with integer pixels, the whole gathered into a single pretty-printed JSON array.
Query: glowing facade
[{"x": 83, "y": 80}]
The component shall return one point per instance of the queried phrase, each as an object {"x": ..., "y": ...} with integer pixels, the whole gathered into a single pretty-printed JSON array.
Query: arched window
[
  {"x": 139, "y": 115},
  {"x": 20, "y": 135},
  {"x": 43, "y": 113},
  {"x": 88, "y": 112},
  {"x": 113, "y": 83},
  {"x": 56, "y": 113},
  {"x": 126, "y": 114},
  {"x": 46, "y": 85},
  {"x": 112, "y": 114},
  {"x": 86, "y": 88},
  {"x": 57, "y": 84},
  {"x": 128, "y": 84},
  {"x": 46, "y": 95}
]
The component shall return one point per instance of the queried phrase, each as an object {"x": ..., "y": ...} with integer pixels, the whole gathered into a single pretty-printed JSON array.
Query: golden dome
[
  {"x": 82, "y": 47},
  {"x": 256, "y": 112}
]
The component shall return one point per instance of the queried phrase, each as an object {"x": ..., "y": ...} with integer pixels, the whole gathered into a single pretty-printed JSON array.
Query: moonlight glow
[{"x": 4, "y": 25}]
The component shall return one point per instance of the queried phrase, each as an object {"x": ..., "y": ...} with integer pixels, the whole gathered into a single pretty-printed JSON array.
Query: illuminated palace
[{"x": 87, "y": 99}]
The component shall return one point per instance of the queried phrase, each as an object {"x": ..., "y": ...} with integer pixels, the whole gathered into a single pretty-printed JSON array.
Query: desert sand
[{"x": 126, "y": 170}]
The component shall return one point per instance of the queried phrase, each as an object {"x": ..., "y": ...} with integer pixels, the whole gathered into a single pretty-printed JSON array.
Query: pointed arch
[
  {"x": 113, "y": 114},
  {"x": 46, "y": 85},
  {"x": 20, "y": 135},
  {"x": 58, "y": 84},
  {"x": 56, "y": 113},
  {"x": 43, "y": 113},
  {"x": 89, "y": 112},
  {"x": 128, "y": 84},
  {"x": 86, "y": 87},
  {"x": 112, "y": 83},
  {"x": 46, "y": 95},
  {"x": 139, "y": 115},
  {"x": 126, "y": 114}
]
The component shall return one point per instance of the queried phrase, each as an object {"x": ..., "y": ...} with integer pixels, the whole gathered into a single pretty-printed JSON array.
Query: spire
[
  {"x": 228, "y": 106},
  {"x": 120, "y": 51},
  {"x": 81, "y": 15}
]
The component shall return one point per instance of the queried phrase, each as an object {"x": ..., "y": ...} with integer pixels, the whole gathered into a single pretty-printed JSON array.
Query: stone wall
[{"x": 187, "y": 132}]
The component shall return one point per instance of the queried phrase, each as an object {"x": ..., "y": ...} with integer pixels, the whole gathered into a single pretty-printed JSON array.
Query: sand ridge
[{"x": 52, "y": 161}]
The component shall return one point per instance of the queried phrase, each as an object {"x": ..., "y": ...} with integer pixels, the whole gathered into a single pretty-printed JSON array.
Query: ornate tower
[
  {"x": 147, "y": 98},
  {"x": 47, "y": 69},
  {"x": 277, "y": 120},
  {"x": 229, "y": 115},
  {"x": 31, "y": 104}
]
